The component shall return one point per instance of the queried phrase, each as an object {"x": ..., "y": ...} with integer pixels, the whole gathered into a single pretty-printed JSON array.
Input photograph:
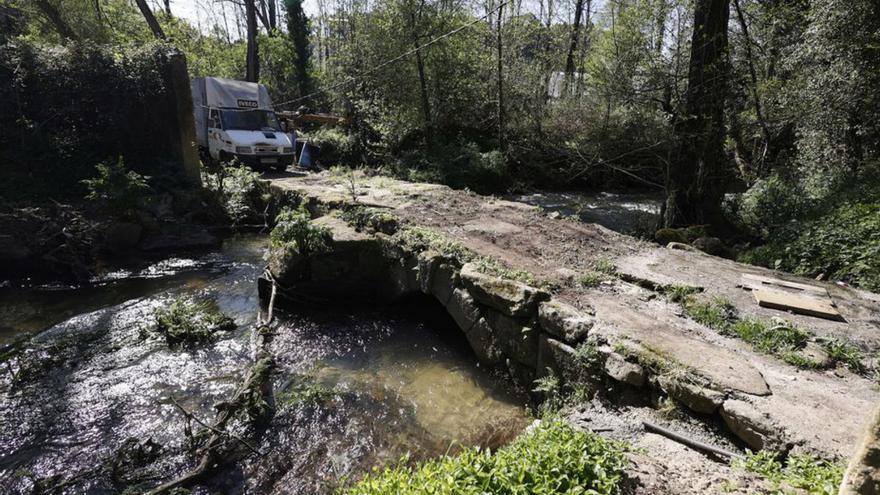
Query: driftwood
[{"x": 694, "y": 444}]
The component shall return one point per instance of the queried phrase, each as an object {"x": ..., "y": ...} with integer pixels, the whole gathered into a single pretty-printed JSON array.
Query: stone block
[
  {"x": 748, "y": 424},
  {"x": 516, "y": 339},
  {"x": 564, "y": 321},
  {"x": 695, "y": 397},
  {"x": 481, "y": 340},
  {"x": 463, "y": 309},
  {"x": 443, "y": 283},
  {"x": 509, "y": 297},
  {"x": 618, "y": 368}
]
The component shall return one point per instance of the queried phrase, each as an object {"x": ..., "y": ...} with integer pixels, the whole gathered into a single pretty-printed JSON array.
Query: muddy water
[{"x": 87, "y": 403}]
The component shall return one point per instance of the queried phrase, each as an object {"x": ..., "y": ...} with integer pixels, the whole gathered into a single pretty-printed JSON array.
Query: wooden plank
[
  {"x": 760, "y": 282},
  {"x": 797, "y": 303}
]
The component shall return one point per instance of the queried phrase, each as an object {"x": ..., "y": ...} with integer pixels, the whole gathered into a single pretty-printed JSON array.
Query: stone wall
[{"x": 508, "y": 324}]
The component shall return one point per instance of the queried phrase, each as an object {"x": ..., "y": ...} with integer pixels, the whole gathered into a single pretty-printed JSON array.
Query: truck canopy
[{"x": 224, "y": 93}]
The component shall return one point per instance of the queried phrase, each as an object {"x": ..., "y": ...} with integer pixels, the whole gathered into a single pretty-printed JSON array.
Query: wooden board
[
  {"x": 759, "y": 282},
  {"x": 821, "y": 307}
]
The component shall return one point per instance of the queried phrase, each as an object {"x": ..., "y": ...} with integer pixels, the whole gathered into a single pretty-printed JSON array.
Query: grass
[
  {"x": 551, "y": 459},
  {"x": 591, "y": 279},
  {"x": 844, "y": 352},
  {"x": 605, "y": 265},
  {"x": 803, "y": 472},
  {"x": 188, "y": 322},
  {"x": 679, "y": 293},
  {"x": 491, "y": 266},
  {"x": 371, "y": 220}
]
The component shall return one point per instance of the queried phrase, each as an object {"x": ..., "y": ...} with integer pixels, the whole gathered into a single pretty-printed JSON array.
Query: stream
[{"x": 87, "y": 390}]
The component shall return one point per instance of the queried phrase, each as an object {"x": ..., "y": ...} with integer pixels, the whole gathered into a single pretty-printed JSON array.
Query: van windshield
[{"x": 249, "y": 120}]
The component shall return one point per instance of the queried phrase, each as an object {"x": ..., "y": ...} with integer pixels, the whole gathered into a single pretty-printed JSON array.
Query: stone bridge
[{"x": 537, "y": 295}]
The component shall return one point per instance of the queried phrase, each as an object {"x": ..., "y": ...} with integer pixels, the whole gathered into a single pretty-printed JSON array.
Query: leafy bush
[
  {"x": 336, "y": 147},
  {"x": 552, "y": 459},
  {"x": 458, "y": 164},
  {"x": 768, "y": 205},
  {"x": 295, "y": 231},
  {"x": 120, "y": 189},
  {"x": 804, "y": 472},
  {"x": 843, "y": 244},
  {"x": 188, "y": 322}
]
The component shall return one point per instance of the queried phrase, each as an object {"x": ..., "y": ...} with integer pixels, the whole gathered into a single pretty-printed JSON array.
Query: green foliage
[
  {"x": 803, "y": 472},
  {"x": 371, "y": 219},
  {"x": 550, "y": 388},
  {"x": 336, "y": 147},
  {"x": 591, "y": 279},
  {"x": 295, "y": 231},
  {"x": 605, "y": 265},
  {"x": 119, "y": 189},
  {"x": 242, "y": 196},
  {"x": 842, "y": 243},
  {"x": 496, "y": 268},
  {"x": 552, "y": 459},
  {"x": 679, "y": 293},
  {"x": 717, "y": 313},
  {"x": 779, "y": 337},
  {"x": 458, "y": 164},
  {"x": 844, "y": 352},
  {"x": 189, "y": 322},
  {"x": 418, "y": 239},
  {"x": 305, "y": 391}
]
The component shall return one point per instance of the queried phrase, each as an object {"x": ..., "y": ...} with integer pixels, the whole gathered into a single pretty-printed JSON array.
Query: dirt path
[{"x": 774, "y": 404}]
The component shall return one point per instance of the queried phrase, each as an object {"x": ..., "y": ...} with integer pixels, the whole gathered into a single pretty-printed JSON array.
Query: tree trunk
[
  {"x": 698, "y": 170},
  {"x": 502, "y": 144},
  {"x": 420, "y": 65},
  {"x": 168, "y": 7},
  {"x": 575, "y": 36},
  {"x": 273, "y": 15},
  {"x": 151, "y": 19},
  {"x": 253, "y": 56},
  {"x": 57, "y": 21},
  {"x": 759, "y": 109}
]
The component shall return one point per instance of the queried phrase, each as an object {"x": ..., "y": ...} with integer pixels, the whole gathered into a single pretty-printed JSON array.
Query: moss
[
  {"x": 491, "y": 266},
  {"x": 554, "y": 458},
  {"x": 189, "y": 322}
]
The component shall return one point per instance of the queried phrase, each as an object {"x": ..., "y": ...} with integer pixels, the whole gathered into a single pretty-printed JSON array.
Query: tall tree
[
  {"x": 298, "y": 30},
  {"x": 151, "y": 19},
  {"x": 698, "y": 170},
  {"x": 253, "y": 54}
]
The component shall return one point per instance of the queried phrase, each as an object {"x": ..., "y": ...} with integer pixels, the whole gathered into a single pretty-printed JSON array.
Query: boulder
[
  {"x": 680, "y": 246},
  {"x": 428, "y": 262},
  {"x": 748, "y": 424},
  {"x": 709, "y": 245},
  {"x": 557, "y": 357},
  {"x": 509, "y": 297},
  {"x": 516, "y": 339},
  {"x": 665, "y": 236},
  {"x": 695, "y": 397},
  {"x": 863, "y": 473},
  {"x": 404, "y": 276},
  {"x": 618, "y": 368},
  {"x": 564, "y": 321}
]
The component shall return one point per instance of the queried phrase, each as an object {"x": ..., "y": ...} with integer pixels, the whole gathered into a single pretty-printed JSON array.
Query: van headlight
[
  {"x": 287, "y": 150},
  {"x": 245, "y": 150}
]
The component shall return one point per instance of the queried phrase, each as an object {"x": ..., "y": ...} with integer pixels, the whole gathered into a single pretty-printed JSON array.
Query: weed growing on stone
[
  {"x": 491, "y": 266},
  {"x": 844, "y": 352},
  {"x": 550, "y": 387},
  {"x": 605, "y": 265},
  {"x": 669, "y": 409},
  {"x": 591, "y": 279},
  {"x": 587, "y": 355},
  {"x": 553, "y": 458},
  {"x": 189, "y": 322},
  {"x": 804, "y": 472},
  {"x": 295, "y": 231},
  {"x": 778, "y": 337},
  {"x": 679, "y": 293},
  {"x": 371, "y": 220},
  {"x": 418, "y": 239},
  {"x": 717, "y": 314}
]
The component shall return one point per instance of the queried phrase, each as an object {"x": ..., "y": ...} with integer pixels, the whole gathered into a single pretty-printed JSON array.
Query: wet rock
[
  {"x": 523, "y": 374},
  {"x": 564, "y": 321},
  {"x": 404, "y": 276},
  {"x": 463, "y": 309},
  {"x": 709, "y": 245},
  {"x": 618, "y": 368},
  {"x": 749, "y": 425},
  {"x": 286, "y": 266},
  {"x": 696, "y": 398},
  {"x": 428, "y": 262},
  {"x": 863, "y": 473},
  {"x": 516, "y": 339},
  {"x": 509, "y": 297},
  {"x": 665, "y": 236},
  {"x": 122, "y": 236}
]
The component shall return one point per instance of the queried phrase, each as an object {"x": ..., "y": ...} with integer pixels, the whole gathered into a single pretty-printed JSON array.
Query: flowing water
[
  {"x": 628, "y": 213},
  {"x": 89, "y": 395}
]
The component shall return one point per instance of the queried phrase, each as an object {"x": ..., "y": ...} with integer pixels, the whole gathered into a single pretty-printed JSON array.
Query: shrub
[
  {"x": 552, "y": 459},
  {"x": 803, "y": 472},
  {"x": 295, "y": 231},
  {"x": 458, "y": 164},
  {"x": 336, "y": 147},
  {"x": 843, "y": 244},
  {"x": 187, "y": 322},
  {"x": 119, "y": 189}
]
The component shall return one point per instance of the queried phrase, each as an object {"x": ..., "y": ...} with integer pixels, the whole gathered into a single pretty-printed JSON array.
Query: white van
[{"x": 235, "y": 120}]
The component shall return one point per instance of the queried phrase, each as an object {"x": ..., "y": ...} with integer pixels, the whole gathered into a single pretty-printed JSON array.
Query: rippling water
[{"x": 87, "y": 399}]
